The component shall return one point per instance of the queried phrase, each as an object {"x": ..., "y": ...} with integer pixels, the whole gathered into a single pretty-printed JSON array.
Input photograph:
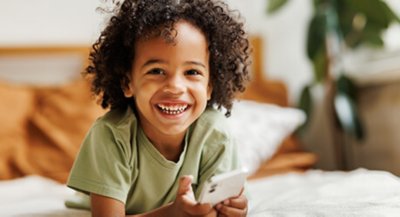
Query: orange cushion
[
  {"x": 15, "y": 108},
  {"x": 43, "y": 127},
  {"x": 62, "y": 117}
]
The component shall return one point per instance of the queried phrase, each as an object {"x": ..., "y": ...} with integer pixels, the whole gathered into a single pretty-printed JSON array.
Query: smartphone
[{"x": 223, "y": 186}]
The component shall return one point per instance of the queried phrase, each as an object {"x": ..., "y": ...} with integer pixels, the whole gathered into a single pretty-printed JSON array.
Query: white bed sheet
[
  {"x": 360, "y": 193},
  {"x": 315, "y": 193},
  {"x": 35, "y": 196}
]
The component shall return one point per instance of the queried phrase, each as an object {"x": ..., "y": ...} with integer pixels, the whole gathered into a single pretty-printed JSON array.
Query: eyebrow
[
  {"x": 195, "y": 63},
  {"x": 154, "y": 61}
]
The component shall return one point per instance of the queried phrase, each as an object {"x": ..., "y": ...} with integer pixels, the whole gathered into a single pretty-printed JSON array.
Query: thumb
[{"x": 184, "y": 184}]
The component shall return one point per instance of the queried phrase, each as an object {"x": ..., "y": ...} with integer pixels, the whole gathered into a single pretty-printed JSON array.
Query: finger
[
  {"x": 184, "y": 184},
  {"x": 241, "y": 191},
  {"x": 218, "y": 207},
  {"x": 188, "y": 201},
  {"x": 238, "y": 202},
  {"x": 231, "y": 211},
  {"x": 197, "y": 209}
]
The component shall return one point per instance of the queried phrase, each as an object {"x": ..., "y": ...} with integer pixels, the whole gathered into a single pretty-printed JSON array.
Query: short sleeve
[
  {"x": 218, "y": 159},
  {"x": 103, "y": 164}
]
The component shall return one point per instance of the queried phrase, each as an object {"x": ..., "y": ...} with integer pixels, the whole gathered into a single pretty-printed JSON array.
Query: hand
[
  {"x": 185, "y": 203},
  {"x": 233, "y": 207}
]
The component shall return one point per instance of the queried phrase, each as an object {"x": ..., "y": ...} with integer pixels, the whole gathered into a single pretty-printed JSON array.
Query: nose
[{"x": 174, "y": 85}]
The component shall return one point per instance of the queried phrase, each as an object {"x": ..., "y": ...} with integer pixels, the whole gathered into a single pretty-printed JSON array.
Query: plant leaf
[
  {"x": 316, "y": 35},
  {"x": 372, "y": 38},
  {"x": 375, "y": 11},
  {"x": 377, "y": 15},
  {"x": 275, "y": 5},
  {"x": 319, "y": 65},
  {"x": 346, "y": 108},
  {"x": 389, "y": 12},
  {"x": 345, "y": 85},
  {"x": 306, "y": 104}
]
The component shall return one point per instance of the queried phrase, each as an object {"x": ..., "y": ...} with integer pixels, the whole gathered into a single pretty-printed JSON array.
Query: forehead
[{"x": 188, "y": 42}]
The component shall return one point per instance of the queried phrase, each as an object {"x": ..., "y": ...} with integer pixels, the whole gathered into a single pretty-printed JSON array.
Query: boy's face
[{"x": 170, "y": 82}]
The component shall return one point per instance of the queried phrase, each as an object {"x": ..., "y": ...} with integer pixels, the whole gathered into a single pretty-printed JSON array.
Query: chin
[{"x": 174, "y": 131}]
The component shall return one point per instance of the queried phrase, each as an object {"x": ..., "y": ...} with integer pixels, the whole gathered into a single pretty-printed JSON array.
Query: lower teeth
[{"x": 172, "y": 112}]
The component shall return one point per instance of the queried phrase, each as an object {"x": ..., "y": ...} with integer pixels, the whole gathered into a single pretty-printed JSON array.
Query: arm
[
  {"x": 184, "y": 205},
  {"x": 105, "y": 206}
]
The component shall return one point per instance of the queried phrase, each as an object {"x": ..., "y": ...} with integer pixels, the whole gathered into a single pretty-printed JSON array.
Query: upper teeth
[{"x": 173, "y": 108}]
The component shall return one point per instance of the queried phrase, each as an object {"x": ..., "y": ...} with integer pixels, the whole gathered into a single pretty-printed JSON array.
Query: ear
[
  {"x": 128, "y": 89},
  {"x": 209, "y": 91}
]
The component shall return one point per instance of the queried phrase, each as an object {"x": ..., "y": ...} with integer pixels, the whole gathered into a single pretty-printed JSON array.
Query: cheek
[
  {"x": 144, "y": 93},
  {"x": 204, "y": 91},
  {"x": 142, "y": 102}
]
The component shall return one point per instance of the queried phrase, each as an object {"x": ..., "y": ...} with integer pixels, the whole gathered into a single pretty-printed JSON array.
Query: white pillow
[{"x": 259, "y": 129}]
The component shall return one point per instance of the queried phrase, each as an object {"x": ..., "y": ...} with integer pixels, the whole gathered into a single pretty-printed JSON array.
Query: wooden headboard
[
  {"x": 42, "y": 65},
  {"x": 261, "y": 89},
  {"x": 44, "y": 51},
  {"x": 40, "y": 50}
]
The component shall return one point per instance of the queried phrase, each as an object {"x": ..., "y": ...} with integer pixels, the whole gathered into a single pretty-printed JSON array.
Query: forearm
[
  {"x": 166, "y": 210},
  {"x": 105, "y": 206},
  {"x": 169, "y": 210}
]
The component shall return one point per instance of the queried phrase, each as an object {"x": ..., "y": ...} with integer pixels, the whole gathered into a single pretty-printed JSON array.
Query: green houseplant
[{"x": 336, "y": 26}]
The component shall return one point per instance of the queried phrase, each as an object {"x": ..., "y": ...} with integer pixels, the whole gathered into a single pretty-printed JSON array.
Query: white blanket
[
  {"x": 35, "y": 196},
  {"x": 361, "y": 193},
  {"x": 315, "y": 193}
]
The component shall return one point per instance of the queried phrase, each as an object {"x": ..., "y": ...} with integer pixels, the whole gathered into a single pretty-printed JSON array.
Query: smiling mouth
[{"x": 173, "y": 109}]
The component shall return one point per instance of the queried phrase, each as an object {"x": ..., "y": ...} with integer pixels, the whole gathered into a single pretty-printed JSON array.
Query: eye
[
  {"x": 156, "y": 71},
  {"x": 192, "y": 72}
]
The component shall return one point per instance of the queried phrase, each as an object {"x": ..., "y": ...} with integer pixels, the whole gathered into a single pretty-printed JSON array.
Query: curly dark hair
[{"x": 113, "y": 53}]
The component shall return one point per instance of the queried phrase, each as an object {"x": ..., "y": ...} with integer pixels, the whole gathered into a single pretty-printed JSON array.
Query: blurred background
[{"x": 356, "y": 126}]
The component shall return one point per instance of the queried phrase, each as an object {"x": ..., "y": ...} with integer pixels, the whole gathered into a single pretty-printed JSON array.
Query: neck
[{"x": 170, "y": 146}]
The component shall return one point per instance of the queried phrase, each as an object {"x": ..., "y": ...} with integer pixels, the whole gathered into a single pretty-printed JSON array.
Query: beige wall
[{"x": 380, "y": 111}]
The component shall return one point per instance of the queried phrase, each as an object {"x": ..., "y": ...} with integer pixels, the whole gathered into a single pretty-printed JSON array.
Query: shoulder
[
  {"x": 117, "y": 126},
  {"x": 109, "y": 142},
  {"x": 117, "y": 120},
  {"x": 213, "y": 128},
  {"x": 213, "y": 119},
  {"x": 117, "y": 117}
]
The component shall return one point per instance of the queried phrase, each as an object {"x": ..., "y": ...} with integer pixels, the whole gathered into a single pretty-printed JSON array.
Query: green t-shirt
[{"x": 117, "y": 160}]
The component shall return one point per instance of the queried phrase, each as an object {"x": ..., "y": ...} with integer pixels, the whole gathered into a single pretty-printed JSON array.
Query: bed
[{"x": 46, "y": 114}]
